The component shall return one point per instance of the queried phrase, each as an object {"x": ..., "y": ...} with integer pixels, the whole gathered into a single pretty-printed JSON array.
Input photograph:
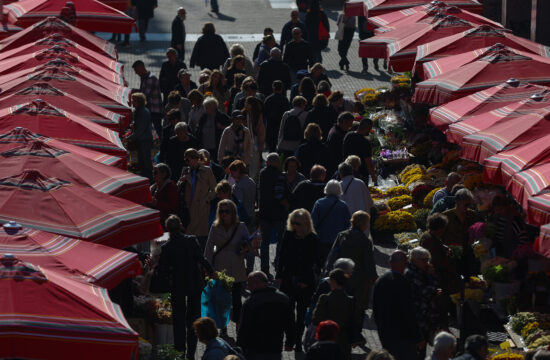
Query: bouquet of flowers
[
  {"x": 397, "y": 221},
  {"x": 397, "y": 191},
  {"x": 411, "y": 175},
  {"x": 216, "y": 299},
  {"x": 163, "y": 310},
  {"x": 399, "y": 202},
  {"x": 428, "y": 199},
  {"x": 456, "y": 251},
  {"x": 406, "y": 240},
  {"x": 498, "y": 269},
  {"x": 508, "y": 356}
]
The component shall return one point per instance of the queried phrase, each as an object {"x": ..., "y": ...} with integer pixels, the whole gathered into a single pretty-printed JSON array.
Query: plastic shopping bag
[{"x": 216, "y": 303}]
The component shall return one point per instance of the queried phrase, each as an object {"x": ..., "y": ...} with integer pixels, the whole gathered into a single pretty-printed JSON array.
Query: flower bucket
[
  {"x": 163, "y": 334},
  {"x": 505, "y": 290}
]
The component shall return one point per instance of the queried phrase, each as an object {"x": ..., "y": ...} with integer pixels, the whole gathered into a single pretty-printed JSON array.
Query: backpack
[{"x": 293, "y": 129}]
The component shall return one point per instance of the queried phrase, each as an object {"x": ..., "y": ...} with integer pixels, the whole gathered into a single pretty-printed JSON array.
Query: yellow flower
[
  {"x": 428, "y": 200},
  {"x": 396, "y": 221},
  {"x": 529, "y": 329},
  {"x": 397, "y": 191},
  {"x": 398, "y": 202}
]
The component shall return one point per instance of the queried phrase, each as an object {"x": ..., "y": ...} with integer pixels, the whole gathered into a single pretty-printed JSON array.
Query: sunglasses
[
  {"x": 295, "y": 223},
  {"x": 225, "y": 211}
]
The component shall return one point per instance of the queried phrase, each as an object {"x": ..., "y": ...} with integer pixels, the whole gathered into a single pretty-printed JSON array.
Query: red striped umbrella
[
  {"x": 55, "y": 205},
  {"x": 97, "y": 264},
  {"x": 538, "y": 209},
  {"x": 403, "y": 52},
  {"x": 43, "y": 118},
  {"x": 482, "y": 101},
  {"x": 18, "y": 135},
  {"x": 482, "y": 121},
  {"x": 391, "y": 17},
  {"x": 63, "y": 100},
  {"x": 490, "y": 70},
  {"x": 542, "y": 244},
  {"x": 120, "y": 5},
  {"x": 54, "y": 25},
  {"x": 91, "y": 15},
  {"x": 52, "y": 161},
  {"x": 59, "y": 41},
  {"x": 479, "y": 38},
  {"x": 46, "y": 315},
  {"x": 499, "y": 168},
  {"x": 530, "y": 182},
  {"x": 370, "y": 8},
  {"x": 506, "y": 135},
  {"x": 34, "y": 61},
  {"x": 74, "y": 85},
  {"x": 7, "y": 30}
]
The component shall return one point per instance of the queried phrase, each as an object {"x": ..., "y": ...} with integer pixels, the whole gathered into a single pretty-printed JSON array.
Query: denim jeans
[{"x": 267, "y": 227}]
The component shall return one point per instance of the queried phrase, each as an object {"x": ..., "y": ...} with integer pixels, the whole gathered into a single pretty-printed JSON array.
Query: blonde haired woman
[
  {"x": 297, "y": 268},
  {"x": 228, "y": 235}
]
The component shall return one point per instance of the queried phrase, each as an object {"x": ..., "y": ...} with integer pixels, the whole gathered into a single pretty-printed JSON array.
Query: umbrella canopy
[
  {"x": 478, "y": 38},
  {"x": 391, "y": 17},
  {"x": 370, "y": 8},
  {"x": 56, "y": 27},
  {"x": 68, "y": 83},
  {"x": 7, "y": 30},
  {"x": 530, "y": 182},
  {"x": 506, "y": 135},
  {"x": 50, "y": 204},
  {"x": 74, "y": 168},
  {"x": 91, "y": 15},
  {"x": 18, "y": 136},
  {"x": 97, "y": 264},
  {"x": 482, "y": 121},
  {"x": 120, "y": 5},
  {"x": 64, "y": 100},
  {"x": 544, "y": 240},
  {"x": 43, "y": 118},
  {"x": 538, "y": 209},
  {"x": 46, "y": 315},
  {"x": 490, "y": 70},
  {"x": 482, "y": 101},
  {"x": 58, "y": 54},
  {"x": 499, "y": 168},
  {"x": 403, "y": 52},
  {"x": 55, "y": 41}
]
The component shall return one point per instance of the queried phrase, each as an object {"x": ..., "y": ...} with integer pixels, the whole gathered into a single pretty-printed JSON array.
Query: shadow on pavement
[{"x": 222, "y": 17}]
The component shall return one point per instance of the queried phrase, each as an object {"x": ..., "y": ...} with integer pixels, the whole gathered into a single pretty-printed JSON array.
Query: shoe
[
  {"x": 376, "y": 65},
  {"x": 341, "y": 67},
  {"x": 365, "y": 71},
  {"x": 347, "y": 68},
  {"x": 386, "y": 64}
]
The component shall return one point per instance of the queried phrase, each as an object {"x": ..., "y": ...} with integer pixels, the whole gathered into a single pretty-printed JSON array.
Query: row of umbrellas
[
  {"x": 489, "y": 86},
  {"x": 67, "y": 204}
]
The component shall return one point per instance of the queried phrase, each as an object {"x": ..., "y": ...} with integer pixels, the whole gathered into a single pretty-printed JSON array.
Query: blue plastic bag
[{"x": 216, "y": 303}]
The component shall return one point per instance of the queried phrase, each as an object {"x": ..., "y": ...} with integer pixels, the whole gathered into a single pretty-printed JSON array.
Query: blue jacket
[
  {"x": 216, "y": 349},
  {"x": 336, "y": 221}
]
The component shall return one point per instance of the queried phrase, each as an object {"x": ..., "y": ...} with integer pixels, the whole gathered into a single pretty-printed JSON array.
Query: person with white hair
[
  {"x": 235, "y": 50},
  {"x": 424, "y": 291},
  {"x": 354, "y": 191},
  {"x": 330, "y": 216},
  {"x": 444, "y": 346},
  {"x": 211, "y": 126}
]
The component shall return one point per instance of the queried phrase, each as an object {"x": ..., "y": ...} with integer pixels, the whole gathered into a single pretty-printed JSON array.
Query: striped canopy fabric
[
  {"x": 530, "y": 182},
  {"x": 482, "y": 121},
  {"x": 490, "y": 70},
  {"x": 371, "y": 8},
  {"x": 538, "y": 211},
  {"x": 53, "y": 26},
  {"x": 402, "y": 52},
  {"x": 52, "y": 161},
  {"x": 391, "y": 17},
  {"x": 63, "y": 100},
  {"x": 93, "y": 263},
  {"x": 499, "y": 168},
  {"x": 73, "y": 317},
  {"x": 482, "y": 101},
  {"x": 542, "y": 244},
  {"x": 44, "y": 118},
  {"x": 58, "y": 206},
  {"x": 120, "y": 5},
  {"x": 481, "y": 37},
  {"x": 17, "y": 136},
  {"x": 91, "y": 15},
  {"x": 506, "y": 135},
  {"x": 7, "y": 30},
  {"x": 76, "y": 86}
]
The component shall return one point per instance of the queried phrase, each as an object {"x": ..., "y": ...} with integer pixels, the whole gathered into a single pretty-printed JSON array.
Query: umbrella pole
[
  {"x": 533, "y": 20},
  {"x": 503, "y": 16}
]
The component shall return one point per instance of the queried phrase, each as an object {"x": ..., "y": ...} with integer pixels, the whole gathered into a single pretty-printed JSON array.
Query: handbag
[
  {"x": 339, "y": 35},
  {"x": 224, "y": 244}
]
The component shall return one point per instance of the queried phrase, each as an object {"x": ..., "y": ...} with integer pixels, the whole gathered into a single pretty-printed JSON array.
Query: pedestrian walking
[
  {"x": 145, "y": 12},
  {"x": 344, "y": 35},
  {"x": 178, "y": 33},
  {"x": 210, "y": 50}
]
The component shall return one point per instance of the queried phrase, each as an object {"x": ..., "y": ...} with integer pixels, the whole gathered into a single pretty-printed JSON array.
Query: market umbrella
[
  {"x": 54, "y": 41},
  {"x": 33, "y": 61},
  {"x": 47, "y": 315},
  {"x": 53, "y": 26},
  {"x": 506, "y": 135},
  {"x": 74, "y": 85},
  {"x": 120, "y": 5},
  {"x": 478, "y": 38},
  {"x": 17, "y": 136},
  {"x": 91, "y": 15},
  {"x": 482, "y": 121},
  {"x": 499, "y": 168},
  {"x": 402, "y": 52},
  {"x": 97, "y": 264},
  {"x": 542, "y": 244},
  {"x": 538, "y": 209},
  {"x": 52, "y": 161},
  {"x": 370, "y": 8},
  {"x": 7, "y": 30},
  {"x": 482, "y": 101},
  {"x": 490, "y": 70},
  {"x": 55, "y": 205},
  {"x": 63, "y": 100},
  {"x": 391, "y": 17},
  {"x": 43, "y": 118},
  {"x": 530, "y": 182}
]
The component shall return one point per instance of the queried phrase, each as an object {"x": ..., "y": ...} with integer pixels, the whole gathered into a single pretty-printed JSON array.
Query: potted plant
[{"x": 498, "y": 272}]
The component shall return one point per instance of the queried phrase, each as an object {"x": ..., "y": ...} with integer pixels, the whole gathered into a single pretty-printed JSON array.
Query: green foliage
[
  {"x": 496, "y": 273},
  {"x": 168, "y": 352}
]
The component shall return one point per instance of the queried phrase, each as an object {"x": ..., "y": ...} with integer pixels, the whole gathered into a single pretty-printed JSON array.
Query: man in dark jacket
[
  {"x": 393, "y": 311},
  {"x": 336, "y": 135},
  {"x": 273, "y": 69},
  {"x": 275, "y": 106},
  {"x": 265, "y": 317},
  {"x": 145, "y": 11},
  {"x": 475, "y": 348},
  {"x": 178, "y": 33},
  {"x": 286, "y": 33},
  {"x": 176, "y": 147},
  {"x": 273, "y": 205},
  {"x": 182, "y": 259},
  {"x": 168, "y": 76},
  {"x": 297, "y": 53},
  {"x": 356, "y": 143},
  {"x": 307, "y": 192}
]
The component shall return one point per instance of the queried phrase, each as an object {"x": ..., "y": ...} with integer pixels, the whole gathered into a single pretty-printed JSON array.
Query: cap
[{"x": 237, "y": 114}]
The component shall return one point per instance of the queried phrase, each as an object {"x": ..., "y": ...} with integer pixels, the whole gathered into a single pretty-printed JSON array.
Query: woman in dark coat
[
  {"x": 142, "y": 135},
  {"x": 164, "y": 192},
  {"x": 323, "y": 115},
  {"x": 210, "y": 50},
  {"x": 297, "y": 268},
  {"x": 312, "y": 151}
]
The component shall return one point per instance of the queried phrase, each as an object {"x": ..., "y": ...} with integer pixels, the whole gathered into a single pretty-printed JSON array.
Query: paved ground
[{"x": 243, "y": 21}]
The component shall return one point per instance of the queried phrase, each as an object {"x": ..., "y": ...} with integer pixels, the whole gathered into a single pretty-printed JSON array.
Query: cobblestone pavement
[{"x": 243, "y": 21}]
